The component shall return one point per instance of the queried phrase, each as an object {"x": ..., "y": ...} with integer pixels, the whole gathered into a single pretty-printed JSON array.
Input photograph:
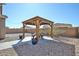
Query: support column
[
  {"x": 37, "y": 29},
  {"x": 23, "y": 30},
  {"x": 51, "y": 30},
  {"x": 1, "y": 4},
  {"x": 2, "y": 23}
]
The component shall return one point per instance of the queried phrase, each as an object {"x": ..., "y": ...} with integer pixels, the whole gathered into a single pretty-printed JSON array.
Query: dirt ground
[{"x": 8, "y": 52}]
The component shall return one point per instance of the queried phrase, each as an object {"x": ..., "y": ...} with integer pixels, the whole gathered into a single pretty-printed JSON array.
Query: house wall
[{"x": 2, "y": 23}]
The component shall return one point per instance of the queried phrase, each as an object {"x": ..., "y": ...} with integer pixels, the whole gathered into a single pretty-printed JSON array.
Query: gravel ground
[
  {"x": 44, "y": 48},
  {"x": 72, "y": 41}
]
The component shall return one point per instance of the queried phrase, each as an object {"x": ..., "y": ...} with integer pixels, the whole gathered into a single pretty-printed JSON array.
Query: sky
[{"x": 58, "y": 13}]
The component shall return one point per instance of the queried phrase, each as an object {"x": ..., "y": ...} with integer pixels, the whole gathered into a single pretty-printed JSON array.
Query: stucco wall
[
  {"x": 2, "y": 28},
  {"x": 69, "y": 32}
]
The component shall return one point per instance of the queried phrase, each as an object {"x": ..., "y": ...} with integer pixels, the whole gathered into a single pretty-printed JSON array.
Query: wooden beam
[
  {"x": 23, "y": 30},
  {"x": 51, "y": 30},
  {"x": 37, "y": 29}
]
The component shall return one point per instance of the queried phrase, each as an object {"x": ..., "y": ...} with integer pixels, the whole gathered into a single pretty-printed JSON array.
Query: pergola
[{"x": 37, "y": 21}]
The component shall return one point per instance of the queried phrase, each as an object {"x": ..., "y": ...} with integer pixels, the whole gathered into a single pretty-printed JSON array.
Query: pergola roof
[
  {"x": 31, "y": 21},
  {"x": 37, "y": 21}
]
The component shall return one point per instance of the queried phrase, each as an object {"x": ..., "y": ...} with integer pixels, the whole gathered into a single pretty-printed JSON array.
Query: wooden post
[
  {"x": 51, "y": 30},
  {"x": 37, "y": 29},
  {"x": 23, "y": 30}
]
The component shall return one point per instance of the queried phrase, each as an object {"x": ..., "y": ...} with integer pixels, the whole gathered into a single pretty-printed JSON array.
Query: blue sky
[{"x": 58, "y": 13}]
